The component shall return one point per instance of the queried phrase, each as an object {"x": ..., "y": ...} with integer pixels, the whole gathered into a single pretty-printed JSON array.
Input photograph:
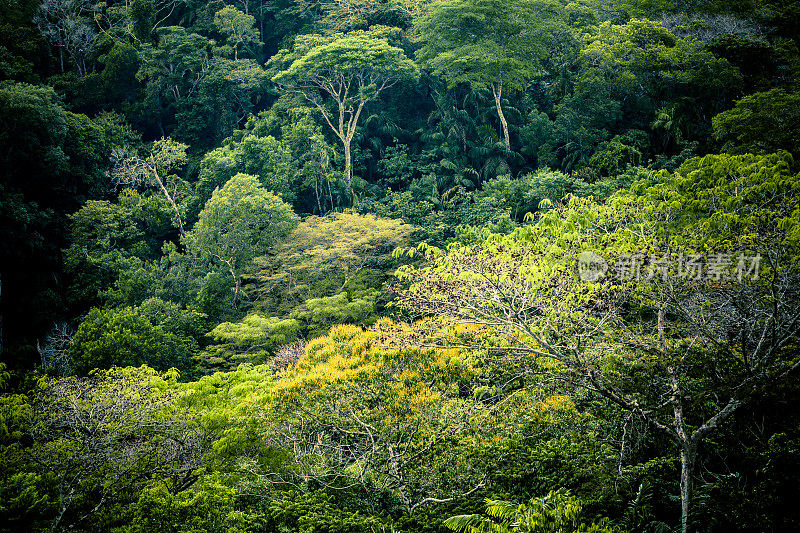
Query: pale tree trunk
[
  {"x": 348, "y": 166},
  {"x": 348, "y": 93},
  {"x": 688, "y": 449},
  {"x": 330, "y": 192},
  {"x": 237, "y": 286},
  {"x": 316, "y": 193},
  {"x": 164, "y": 190},
  {"x": 345, "y": 126},
  {"x": 497, "y": 92},
  {"x": 685, "y": 441},
  {"x": 345, "y": 132},
  {"x": 688, "y": 454}
]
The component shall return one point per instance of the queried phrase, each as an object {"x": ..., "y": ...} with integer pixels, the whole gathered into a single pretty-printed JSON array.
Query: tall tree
[
  {"x": 348, "y": 70},
  {"x": 132, "y": 170},
  {"x": 240, "y": 221},
  {"x": 684, "y": 331},
  {"x": 238, "y": 27},
  {"x": 489, "y": 44},
  {"x": 174, "y": 68},
  {"x": 69, "y": 26}
]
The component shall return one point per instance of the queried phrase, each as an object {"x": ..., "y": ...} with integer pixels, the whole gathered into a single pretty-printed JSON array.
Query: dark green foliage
[
  {"x": 220, "y": 187},
  {"x": 762, "y": 122},
  {"x": 208, "y": 506},
  {"x": 126, "y": 337},
  {"x": 111, "y": 243},
  {"x": 53, "y": 161}
]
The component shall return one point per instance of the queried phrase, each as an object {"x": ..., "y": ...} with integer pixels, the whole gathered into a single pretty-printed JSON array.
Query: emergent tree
[{"x": 348, "y": 70}]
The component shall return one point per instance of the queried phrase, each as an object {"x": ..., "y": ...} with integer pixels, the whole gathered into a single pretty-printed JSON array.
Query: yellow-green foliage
[
  {"x": 325, "y": 255},
  {"x": 226, "y": 403},
  {"x": 350, "y": 390},
  {"x": 348, "y": 349},
  {"x": 355, "y": 399},
  {"x": 320, "y": 313},
  {"x": 251, "y": 340}
]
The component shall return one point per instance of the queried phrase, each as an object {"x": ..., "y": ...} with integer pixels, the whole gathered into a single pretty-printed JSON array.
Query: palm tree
[{"x": 558, "y": 512}]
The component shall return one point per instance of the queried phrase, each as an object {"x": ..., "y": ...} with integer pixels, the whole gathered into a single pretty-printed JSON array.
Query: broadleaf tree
[
  {"x": 696, "y": 317},
  {"x": 240, "y": 221},
  {"x": 489, "y": 44},
  {"x": 340, "y": 74},
  {"x": 133, "y": 170},
  {"x": 325, "y": 254}
]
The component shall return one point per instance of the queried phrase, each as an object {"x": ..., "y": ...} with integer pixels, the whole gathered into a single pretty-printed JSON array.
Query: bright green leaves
[
  {"x": 252, "y": 340},
  {"x": 207, "y": 506},
  {"x": 329, "y": 252},
  {"x": 761, "y": 122},
  {"x": 125, "y": 337},
  {"x": 557, "y": 511},
  {"x": 360, "y": 52},
  {"x": 709, "y": 337},
  {"x": 316, "y": 511},
  {"x": 726, "y": 202},
  {"x": 392, "y": 414},
  {"x": 319, "y": 314},
  {"x": 488, "y": 42},
  {"x": 102, "y": 436},
  {"x": 239, "y": 222}
]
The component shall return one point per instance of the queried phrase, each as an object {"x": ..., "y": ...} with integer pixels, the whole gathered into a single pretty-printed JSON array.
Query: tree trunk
[
  {"x": 687, "y": 444},
  {"x": 62, "y": 505},
  {"x": 237, "y": 285},
  {"x": 497, "y": 91},
  {"x": 316, "y": 193},
  {"x": 164, "y": 190},
  {"x": 330, "y": 192},
  {"x": 348, "y": 168},
  {"x": 688, "y": 454}
]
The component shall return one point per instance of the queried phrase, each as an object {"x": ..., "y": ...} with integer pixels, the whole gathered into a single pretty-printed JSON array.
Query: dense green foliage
[{"x": 399, "y": 265}]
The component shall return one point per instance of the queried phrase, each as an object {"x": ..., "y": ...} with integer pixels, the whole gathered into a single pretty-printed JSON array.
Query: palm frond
[{"x": 474, "y": 523}]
